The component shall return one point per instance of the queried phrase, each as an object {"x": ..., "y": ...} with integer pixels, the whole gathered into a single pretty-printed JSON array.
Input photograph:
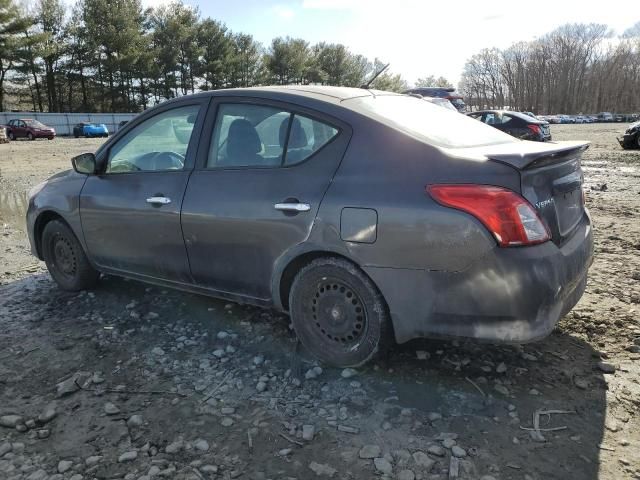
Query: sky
[{"x": 419, "y": 38}]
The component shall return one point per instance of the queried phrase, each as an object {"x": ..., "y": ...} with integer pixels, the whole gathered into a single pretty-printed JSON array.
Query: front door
[
  {"x": 131, "y": 211},
  {"x": 256, "y": 191}
]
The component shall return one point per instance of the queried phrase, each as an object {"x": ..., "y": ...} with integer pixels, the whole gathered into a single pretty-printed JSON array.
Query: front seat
[
  {"x": 243, "y": 145},
  {"x": 297, "y": 149}
]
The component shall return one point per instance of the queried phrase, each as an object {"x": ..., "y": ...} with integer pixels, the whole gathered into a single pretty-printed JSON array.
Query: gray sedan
[{"x": 369, "y": 217}]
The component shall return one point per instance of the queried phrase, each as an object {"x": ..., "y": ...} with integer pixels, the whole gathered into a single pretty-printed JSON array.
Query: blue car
[{"x": 87, "y": 129}]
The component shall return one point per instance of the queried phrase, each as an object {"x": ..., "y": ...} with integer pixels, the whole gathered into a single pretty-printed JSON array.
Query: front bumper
[
  {"x": 44, "y": 134},
  {"x": 96, "y": 133},
  {"x": 511, "y": 295},
  {"x": 628, "y": 140}
]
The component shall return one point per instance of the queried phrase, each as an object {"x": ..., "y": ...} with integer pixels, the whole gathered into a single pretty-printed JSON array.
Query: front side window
[
  {"x": 259, "y": 136},
  {"x": 157, "y": 144}
]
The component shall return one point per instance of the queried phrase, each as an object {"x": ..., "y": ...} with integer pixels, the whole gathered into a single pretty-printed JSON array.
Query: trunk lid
[{"x": 550, "y": 177}]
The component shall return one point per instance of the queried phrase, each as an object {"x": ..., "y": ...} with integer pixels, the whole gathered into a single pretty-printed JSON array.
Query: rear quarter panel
[{"x": 387, "y": 170}]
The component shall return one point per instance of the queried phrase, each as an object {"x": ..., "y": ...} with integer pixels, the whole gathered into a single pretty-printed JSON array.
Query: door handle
[
  {"x": 158, "y": 200},
  {"x": 292, "y": 207}
]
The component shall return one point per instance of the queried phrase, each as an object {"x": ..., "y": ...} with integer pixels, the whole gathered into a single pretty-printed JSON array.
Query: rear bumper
[{"x": 510, "y": 295}]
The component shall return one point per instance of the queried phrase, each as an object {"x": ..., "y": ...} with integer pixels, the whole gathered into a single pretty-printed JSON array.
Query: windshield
[
  {"x": 430, "y": 123},
  {"x": 35, "y": 124}
]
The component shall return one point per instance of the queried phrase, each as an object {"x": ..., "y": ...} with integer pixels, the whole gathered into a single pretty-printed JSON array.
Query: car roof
[
  {"x": 318, "y": 92},
  {"x": 311, "y": 96}
]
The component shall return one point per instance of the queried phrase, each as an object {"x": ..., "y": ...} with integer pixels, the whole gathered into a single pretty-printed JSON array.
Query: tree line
[
  {"x": 577, "y": 68},
  {"x": 116, "y": 56}
]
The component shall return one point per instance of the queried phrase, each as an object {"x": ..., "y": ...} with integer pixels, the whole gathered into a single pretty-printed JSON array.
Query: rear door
[
  {"x": 256, "y": 190},
  {"x": 131, "y": 211}
]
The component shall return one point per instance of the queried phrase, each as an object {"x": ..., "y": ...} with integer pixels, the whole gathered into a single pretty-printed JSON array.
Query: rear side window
[
  {"x": 247, "y": 135},
  {"x": 428, "y": 122},
  {"x": 306, "y": 136}
]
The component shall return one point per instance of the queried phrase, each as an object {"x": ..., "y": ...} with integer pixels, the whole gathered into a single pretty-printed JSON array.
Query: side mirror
[{"x": 84, "y": 163}]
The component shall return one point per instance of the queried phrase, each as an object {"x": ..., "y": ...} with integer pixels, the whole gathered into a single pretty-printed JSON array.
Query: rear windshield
[{"x": 430, "y": 123}]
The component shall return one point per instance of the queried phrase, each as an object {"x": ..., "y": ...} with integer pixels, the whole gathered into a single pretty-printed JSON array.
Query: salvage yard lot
[{"x": 133, "y": 381}]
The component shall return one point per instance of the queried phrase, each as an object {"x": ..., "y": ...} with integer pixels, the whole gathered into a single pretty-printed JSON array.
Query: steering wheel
[
  {"x": 177, "y": 160},
  {"x": 160, "y": 161}
]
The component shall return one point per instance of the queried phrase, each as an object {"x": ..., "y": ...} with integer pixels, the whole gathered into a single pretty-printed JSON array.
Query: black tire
[
  {"x": 65, "y": 258},
  {"x": 30, "y": 136},
  {"x": 12, "y": 137},
  {"x": 338, "y": 313},
  {"x": 75, "y": 135},
  {"x": 638, "y": 140}
]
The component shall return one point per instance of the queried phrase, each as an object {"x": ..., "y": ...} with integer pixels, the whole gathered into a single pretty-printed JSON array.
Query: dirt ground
[{"x": 132, "y": 381}]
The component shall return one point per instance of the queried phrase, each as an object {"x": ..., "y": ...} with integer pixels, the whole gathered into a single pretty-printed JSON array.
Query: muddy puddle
[{"x": 13, "y": 208}]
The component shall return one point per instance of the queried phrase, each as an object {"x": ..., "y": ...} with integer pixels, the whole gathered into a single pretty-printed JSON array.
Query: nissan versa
[{"x": 368, "y": 216}]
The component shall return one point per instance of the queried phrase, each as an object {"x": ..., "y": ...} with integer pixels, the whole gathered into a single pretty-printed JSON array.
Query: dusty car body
[
  {"x": 631, "y": 137},
  {"x": 363, "y": 214}
]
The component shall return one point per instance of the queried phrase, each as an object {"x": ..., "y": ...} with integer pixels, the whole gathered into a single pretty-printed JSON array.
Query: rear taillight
[
  {"x": 535, "y": 129},
  {"x": 509, "y": 217}
]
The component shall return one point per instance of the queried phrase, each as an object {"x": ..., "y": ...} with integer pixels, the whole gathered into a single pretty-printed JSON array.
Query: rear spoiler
[
  {"x": 522, "y": 154},
  {"x": 537, "y": 158}
]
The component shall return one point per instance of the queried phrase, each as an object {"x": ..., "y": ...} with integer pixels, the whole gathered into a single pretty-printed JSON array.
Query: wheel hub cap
[
  {"x": 64, "y": 258},
  {"x": 338, "y": 313}
]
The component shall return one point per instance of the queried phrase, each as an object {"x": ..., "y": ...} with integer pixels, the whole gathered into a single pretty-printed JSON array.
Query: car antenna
[{"x": 371, "y": 80}]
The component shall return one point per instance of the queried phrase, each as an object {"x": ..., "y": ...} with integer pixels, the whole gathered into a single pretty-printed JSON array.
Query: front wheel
[
  {"x": 65, "y": 258},
  {"x": 638, "y": 140},
  {"x": 338, "y": 313}
]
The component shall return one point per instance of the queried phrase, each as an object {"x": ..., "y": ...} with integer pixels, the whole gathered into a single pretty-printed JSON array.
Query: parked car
[
  {"x": 619, "y": 118},
  {"x": 605, "y": 117},
  {"x": 367, "y": 216},
  {"x": 28, "y": 128},
  {"x": 516, "y": 124},
  {"x": 88, "y": 129},
  {"x": 567, "y": 119},
  {"x": 580, "y": 119},
  {"x": 631, "y": 137},
  {"x": 530, "y": 114},
  {"x": 441, "y": 92},
  {"x": 554, "y": 119},
  {"x": 441, "y": 102}
]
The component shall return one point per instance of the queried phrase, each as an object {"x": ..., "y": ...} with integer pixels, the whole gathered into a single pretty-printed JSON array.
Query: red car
[{"x": 28, "y": 128}]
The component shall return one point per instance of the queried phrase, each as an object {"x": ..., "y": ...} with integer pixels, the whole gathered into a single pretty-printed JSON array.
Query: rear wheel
[
  {"x": 638, "y": 140},
  {"x": 65, "y": 258},
  {"x": 11, "y": 136},
  {"x": 30, "y": 136},
  {"x": 338, "y": 313}
]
